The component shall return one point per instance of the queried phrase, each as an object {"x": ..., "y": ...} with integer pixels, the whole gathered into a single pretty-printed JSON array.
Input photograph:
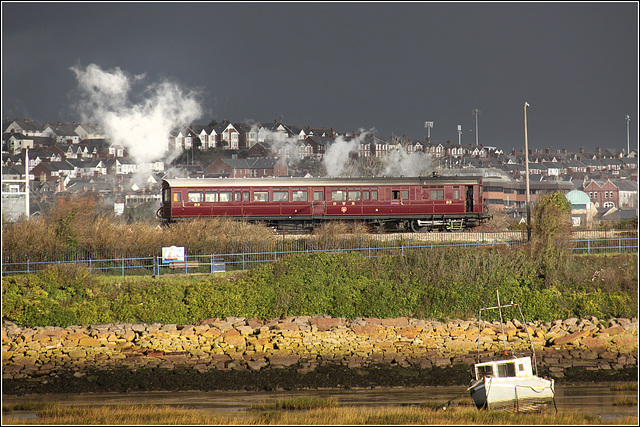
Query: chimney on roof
[
  {"x": 601, "y": 174},
  {"x": 547, "y": 151},
  {"x": 563, "y": 151},
  {"x": 598, "y": 151},
  {"x": 581, "y": 150}
]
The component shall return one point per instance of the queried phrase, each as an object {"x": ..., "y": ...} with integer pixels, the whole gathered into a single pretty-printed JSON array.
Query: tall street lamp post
[
  {"x": 526, "y": 172},
  {"x": 627, "y": 118}
]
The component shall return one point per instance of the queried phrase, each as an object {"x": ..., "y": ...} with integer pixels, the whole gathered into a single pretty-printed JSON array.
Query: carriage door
[
  {"x": 469, "y": 198},
  {"x": 317, "y": 204}
]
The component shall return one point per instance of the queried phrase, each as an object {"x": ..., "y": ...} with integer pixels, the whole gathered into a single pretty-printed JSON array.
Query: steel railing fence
[{"x": 247, "y": 259}]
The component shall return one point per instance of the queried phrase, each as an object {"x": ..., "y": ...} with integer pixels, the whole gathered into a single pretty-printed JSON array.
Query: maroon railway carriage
[{"x": 418, "y": 204}]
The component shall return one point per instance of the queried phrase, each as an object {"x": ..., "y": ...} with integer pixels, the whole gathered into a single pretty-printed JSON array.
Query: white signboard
[
  {"x": 172, "y": 254},
  {"x": 118, "y": 208}
]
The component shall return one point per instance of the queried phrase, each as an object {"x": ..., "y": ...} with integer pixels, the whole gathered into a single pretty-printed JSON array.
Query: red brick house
[{"x": 603, "y": 194}]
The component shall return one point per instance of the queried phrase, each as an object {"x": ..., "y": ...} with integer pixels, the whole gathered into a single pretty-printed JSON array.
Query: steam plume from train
[{"x": 140, "y": 121}]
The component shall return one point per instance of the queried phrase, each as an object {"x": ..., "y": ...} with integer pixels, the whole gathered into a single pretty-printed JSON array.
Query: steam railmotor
[{"x": 418, "y": 204}]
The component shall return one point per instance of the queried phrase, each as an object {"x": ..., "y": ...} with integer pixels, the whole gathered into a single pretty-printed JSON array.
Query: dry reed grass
[{"x": 345, "y": 415}]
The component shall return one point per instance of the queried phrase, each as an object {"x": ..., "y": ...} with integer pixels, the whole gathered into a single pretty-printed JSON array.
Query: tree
[{"x": 551, "y": 233}]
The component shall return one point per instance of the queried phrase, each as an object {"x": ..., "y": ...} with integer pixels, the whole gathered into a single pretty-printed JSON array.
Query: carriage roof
[{"x": 304, "y": 182}]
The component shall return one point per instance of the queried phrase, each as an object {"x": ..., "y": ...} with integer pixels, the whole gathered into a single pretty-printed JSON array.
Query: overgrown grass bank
[{"x": 445, "y": 283}]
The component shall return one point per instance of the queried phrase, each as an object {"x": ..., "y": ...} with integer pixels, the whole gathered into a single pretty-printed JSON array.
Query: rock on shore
[{"x": 312, "y": 344}]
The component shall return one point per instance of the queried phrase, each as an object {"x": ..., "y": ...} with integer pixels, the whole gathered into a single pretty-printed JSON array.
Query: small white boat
[{"x": 510, "y": 384}]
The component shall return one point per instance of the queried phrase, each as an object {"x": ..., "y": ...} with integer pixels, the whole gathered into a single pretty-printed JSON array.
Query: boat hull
[{"x": 512, "y": 393}]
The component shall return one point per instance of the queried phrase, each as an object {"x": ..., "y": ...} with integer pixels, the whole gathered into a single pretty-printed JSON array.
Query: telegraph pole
[
  {"x": 526, "y": 168},
  {"x": 475, "y": 112}
]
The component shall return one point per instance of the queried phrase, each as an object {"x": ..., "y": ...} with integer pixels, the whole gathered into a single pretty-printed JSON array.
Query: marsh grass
[
  {"x": 334, "y": 415},
  {"x": 297, "y": 403},
  {"x": 626, "y": 386},
  {"x": 626, "y": 401}
]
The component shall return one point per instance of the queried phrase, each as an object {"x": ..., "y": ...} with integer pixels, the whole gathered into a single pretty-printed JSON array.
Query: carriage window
[
  {"x": 211, "y": 197},
  {"x": 437, "y": 194},
  {"x": 355, "y": 195},
  {"x": 365, "y": 195},
  {"x": 166, "y": 194},
  {"x": 280, "y": 196},
  {"x": 237, "y": 197},
  {"x": 485, "y": 371},
  {"x": 245, "y": 196},
  {"x": 176, "y": 197},
  {"x": 317, "y": 195},
  {"x": 395, "y": 194},
  {"x": 339, "y": 195},
  {"x": 299, "y": 196},
  {"x": 405, "y": 194},
  {"x": 260, "y": 196},
  {"x": 456, "y": 193},
  {"x": 374, "y": 195},
  {"x": 195, "y": 197},
  {"x": 225, "y": 196},
  {"x": 520, "y": 367},
  {"x": 507, "y": 369}
]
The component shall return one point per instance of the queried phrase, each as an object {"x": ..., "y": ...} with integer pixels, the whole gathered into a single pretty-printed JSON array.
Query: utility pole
[
  {"x": 475, "y": 112},
  {"x": 526, "y": 168}
]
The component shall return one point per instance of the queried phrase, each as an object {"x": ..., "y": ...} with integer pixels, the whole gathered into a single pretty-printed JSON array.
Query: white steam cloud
[
  {"x": 339, "y": 161},
  {"x": 338, "y": 155},
  {"x": 142, "y": 127},
  {"x": 400, "y": 163}
]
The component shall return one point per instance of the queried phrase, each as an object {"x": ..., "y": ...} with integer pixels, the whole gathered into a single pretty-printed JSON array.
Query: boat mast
[{"x": 504, "y": 338}]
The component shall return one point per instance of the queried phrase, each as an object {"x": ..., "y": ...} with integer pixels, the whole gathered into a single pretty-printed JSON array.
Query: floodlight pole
[
  {"x": 428, "y": 125},
  {"x": 526, "y": 169}
]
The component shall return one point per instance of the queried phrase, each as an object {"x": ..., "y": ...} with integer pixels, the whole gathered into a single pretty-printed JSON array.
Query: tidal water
[{"x": 596, "y": 399}]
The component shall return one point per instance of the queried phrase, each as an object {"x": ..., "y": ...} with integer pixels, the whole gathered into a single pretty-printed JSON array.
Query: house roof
[
  {"x": 63, "y": 129},
  {"x": 25, "y": 124}
]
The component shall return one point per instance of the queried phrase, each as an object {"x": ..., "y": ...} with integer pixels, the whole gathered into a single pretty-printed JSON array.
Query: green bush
[{"x": 443, "y": 283}]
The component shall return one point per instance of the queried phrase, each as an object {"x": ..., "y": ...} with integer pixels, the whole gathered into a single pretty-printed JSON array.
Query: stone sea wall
[{"x": 306, "y": 343}]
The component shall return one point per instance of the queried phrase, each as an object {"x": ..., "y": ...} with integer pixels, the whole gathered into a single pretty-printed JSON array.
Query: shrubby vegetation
[
  {"x": 445, "y": 283},
  {"x": 542, "y": 276}
]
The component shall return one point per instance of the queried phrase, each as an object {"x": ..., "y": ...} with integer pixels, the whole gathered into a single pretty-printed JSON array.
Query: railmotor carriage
[{"x": 418, "y": 204}]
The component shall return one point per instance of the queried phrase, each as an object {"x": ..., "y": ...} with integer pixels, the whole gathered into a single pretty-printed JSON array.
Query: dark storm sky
[{"x": 350, "y": 66}]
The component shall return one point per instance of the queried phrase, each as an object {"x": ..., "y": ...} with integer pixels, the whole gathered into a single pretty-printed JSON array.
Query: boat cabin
[{"x": 517, "y": 367}]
